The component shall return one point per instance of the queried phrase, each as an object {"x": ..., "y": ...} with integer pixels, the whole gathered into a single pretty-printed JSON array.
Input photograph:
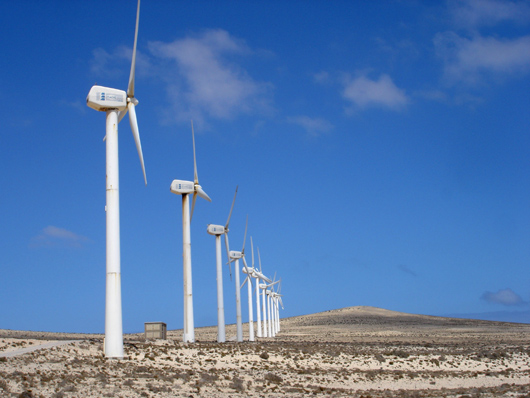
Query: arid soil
[{"x": 351, "y": 352}]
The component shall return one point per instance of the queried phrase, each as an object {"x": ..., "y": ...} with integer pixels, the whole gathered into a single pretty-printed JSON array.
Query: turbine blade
[
  {"x": 121, "y": 114},
  {"x": 195, "y": 177},
  {"x": 228, "y": 254},
  {"x": 199, "y": 191},
  {"x": 247, "y": 270},
  {"x": 193, "y": 204},
  {"x": 231, "y": 208},
  {"x": 259, "y": 258},
  {"x": 245, "y": 281},
  {"x": 136, "y": 135},
  {"x": 245, "y": 238},
  {"x": 130, "y": 88},
  {"x": 252, "y": 247}
]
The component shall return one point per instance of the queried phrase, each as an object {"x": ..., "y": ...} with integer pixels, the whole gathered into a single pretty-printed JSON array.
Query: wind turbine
[
  {"x": 235, "y": 256},
  {"x": 251, "y": 273},
  {"x": 115, "y": 103},
  {"x": 259, "y": 277},
  {"x": 268, "y": 294},
  {"x": 276, "y": 298},
  {"x": 217, "y": 231},
  {"x": 185, "y": 188},
  {"x": 263, "y": 288}
]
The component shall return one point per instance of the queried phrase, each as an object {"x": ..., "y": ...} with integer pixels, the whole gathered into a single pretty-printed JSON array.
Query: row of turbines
[
  {"x": 264, "y": 287},
  {"x": 116, "y": 103}
]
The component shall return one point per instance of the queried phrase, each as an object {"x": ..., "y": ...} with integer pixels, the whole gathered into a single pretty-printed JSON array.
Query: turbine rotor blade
[
  {"x": 243, "y": 284},
  {"x": 231, "y": 208},
  {"x": 136, "y": 135},
  {"x": 228, "y": 254},
  {"x": 245, "y": 238},
  {"x": 130, "y": 88},
  {"x": 193, "y": 204},
  {"x": 121, "y": 114},
  {"x": 247, "y": 270},
  {"x": 252, "y": 247},
  {"x": 199, "y": 191},
  {"x": 259, "y": 258},
  {"x": 195, "y": 177}
]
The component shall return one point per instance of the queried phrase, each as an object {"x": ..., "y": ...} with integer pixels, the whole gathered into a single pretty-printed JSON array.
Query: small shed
[{"x": 155, "y": 330}]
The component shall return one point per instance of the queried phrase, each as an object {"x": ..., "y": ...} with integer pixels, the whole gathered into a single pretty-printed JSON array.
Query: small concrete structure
[{"x": 155, "y": 330}]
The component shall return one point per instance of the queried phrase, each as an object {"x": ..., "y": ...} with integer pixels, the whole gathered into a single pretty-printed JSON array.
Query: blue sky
[{"x": 381, "y": 150}]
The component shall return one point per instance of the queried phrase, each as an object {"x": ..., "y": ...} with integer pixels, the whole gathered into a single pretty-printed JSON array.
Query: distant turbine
[
  {"x": 251, "y": 273},
  {"x": 276, "y": 298},
  {"x": 217, "y": 231},
  {"x": 185, "y": 188},
  {"x": 263, "y": 288},
  {"x": 268, "y": 294},
  {"x": 235, "y": 256},
  {"x": 115, "y": 103},
  {"x": 254, "y": 273}
]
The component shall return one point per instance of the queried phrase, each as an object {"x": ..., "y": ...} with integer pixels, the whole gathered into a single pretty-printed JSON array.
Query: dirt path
[{"x": 25, "y": 350}]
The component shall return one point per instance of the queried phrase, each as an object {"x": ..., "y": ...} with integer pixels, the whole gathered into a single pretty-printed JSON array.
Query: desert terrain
[{"x": 350, "y": 352}]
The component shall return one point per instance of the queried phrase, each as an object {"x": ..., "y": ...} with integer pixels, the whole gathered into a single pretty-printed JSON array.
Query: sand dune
[{"x": 349, "y": 352}]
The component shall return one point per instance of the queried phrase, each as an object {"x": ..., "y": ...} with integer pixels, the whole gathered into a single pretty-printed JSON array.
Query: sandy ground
[{"x": 351, "y": 352}]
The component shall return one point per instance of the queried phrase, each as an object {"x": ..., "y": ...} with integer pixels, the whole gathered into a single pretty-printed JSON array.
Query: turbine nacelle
[
  {"x": 104, "y": 98},
  {"x": 249, "y": 270},
  {"x": 235, "y": 255},
  {"x": 215, "y": 229},
  {"x": 181, "y": 187}
]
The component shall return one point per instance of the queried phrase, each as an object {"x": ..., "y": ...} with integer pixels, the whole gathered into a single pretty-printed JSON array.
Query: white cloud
[
  {"x": 313, "y": 126},
  {"x": 322, "y": 77},
  {"x": 54, "y": 236},
  {"x": 116, "y": 65},
  {"x": 468, "y": 59},
  {"x": 476, "y": 13},
  {"x": 364, "y": 92},
  {"x": 504, "y": 296},
  {"x": 204, "y": 79}
]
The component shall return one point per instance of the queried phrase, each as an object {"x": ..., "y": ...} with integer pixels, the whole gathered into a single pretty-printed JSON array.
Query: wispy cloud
[
  {"x": 505, "y": 297},
  {"x": 471, "y": 57},
  {"x": 116, "y": 63},
  {"x": 364, "y": 92},
  {"x": 313, "y": 126},
  {"x": 57, "y": 237},
  {"x": 468, "y": 59},
  {"x": 205, "y": 80},
  {"x": 476, "y": 13}
]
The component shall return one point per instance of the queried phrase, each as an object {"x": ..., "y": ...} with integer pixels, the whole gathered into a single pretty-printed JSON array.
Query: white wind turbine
[
  {"x": 235, "y": 256},
  {"x": 115, "y": 103},
  {"x": 185, "y": 188},
  {"x": 276, "y": 298},
  {"x": 217, "y": 231},
  {"x": 259, "y": 276},
  {"x": 267, "y": 325},
  {"x": 251, "y": 273}
]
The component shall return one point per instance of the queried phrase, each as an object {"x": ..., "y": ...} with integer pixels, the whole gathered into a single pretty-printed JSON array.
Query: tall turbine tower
[
  {"x": 217, "y": 231},
  {"x": 263, "y": 288},
  {"x": 256, "y": 275},
  {"x": 185, "y": 188},
  {"x": 115, "y": 103}
]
